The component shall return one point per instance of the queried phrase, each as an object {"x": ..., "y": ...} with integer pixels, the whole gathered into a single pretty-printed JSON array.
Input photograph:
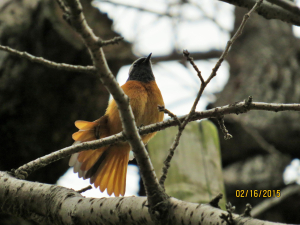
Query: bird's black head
[{"x": 141, "y": 70}]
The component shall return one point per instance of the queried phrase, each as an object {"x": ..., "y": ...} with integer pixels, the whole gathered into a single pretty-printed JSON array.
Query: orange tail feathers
[
  {"x": 106, "y": 166},
  {"x": 112, "y": 170}
]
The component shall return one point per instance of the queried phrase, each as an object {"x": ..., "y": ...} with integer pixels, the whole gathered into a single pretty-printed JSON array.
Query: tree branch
[
  {"x": 48, "y": 63},
  {"x": 288, "y": 5},
  {"x": 223, "y": 128},
  {"x": 91, "y": 69},
  {"x": 85, "y": 189},
  {"x": 232, "y": 40},
  {"x": 237, "y": 108},
  {"x": 196, "y": 55},
  {"x": 154, "y": 192},
  {"x": 167, "y": 162},
  {"x": 113, "y": 41},
  {"x": 191, "y": 60},
  {"x": 50, "y": 204},
  {"x": 268, "y": 11},
  {"x": 141, "y": 9}
]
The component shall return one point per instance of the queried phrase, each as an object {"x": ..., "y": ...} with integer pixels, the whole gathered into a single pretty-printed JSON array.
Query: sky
[{"x": 195, "y": 27}]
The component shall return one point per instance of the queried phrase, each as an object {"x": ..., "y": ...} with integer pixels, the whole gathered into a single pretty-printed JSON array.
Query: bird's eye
[{"x": 134, "y": 65}]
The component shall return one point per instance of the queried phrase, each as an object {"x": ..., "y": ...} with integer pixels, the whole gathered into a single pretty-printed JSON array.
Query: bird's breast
[
  {"x": 144, "y": 99},
  {"x": 154, "y": 99}
]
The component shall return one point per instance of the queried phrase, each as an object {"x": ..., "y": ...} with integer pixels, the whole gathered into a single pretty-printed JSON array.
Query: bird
[{"x": 106, "y": 167}]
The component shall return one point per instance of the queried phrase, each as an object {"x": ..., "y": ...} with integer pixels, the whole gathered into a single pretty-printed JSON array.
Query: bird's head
[{"x": 141, "y": 70}]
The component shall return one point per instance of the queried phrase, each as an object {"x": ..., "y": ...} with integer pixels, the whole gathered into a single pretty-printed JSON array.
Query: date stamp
[{"x": 257, "y": 193}]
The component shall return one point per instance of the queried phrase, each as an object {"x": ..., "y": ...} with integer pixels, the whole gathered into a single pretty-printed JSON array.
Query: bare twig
[
  {"x": 113, "y": 41},
  {"x": 231, "y": 41},
  {"x": 191, "y": 60},
  {"x": 227, "y": 136},
  {"x": 196, "y": 55},
  {"x": 222, "y": 57},
  {"x": 45, "y": 62},
  {"x": 36, "y": 164},
  {"x": 247, "y": 212},
  {"x": 91, "y": 69},
  {"x": 215, "y": 201},
  {"x": 183, "y": 124},
  {"x": 166, "y": 111},
  {"x": 85, "y": 189},
  {"x": 169, "y": 157}
]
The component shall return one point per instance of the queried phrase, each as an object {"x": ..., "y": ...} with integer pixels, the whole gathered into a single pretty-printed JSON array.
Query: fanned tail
[
  {"x": 106, "y": 166},
  {"x": 110, "y": 170}
]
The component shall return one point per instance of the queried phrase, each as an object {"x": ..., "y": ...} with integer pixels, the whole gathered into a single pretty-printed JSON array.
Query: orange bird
[{"x": 107, "y": 166}]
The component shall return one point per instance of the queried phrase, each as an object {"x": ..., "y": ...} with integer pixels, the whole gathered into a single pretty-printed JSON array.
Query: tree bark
[{"x": 48, "y": 204}]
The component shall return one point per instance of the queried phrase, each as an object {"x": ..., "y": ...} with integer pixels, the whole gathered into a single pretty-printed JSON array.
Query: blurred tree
[
  {"x": 39, "y": 105},
  {"x": 264, "y": 63}
]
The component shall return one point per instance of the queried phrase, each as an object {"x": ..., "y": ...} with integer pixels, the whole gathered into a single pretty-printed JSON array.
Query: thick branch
[
  {"x": 269, "y": 11},
  {"x": 154, "y": 192},
  {"x": 288, "y": 5},
  {"x": 50, "y": 204}
]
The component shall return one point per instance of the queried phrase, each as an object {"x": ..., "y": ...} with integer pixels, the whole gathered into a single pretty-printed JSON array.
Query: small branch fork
[
  {"x": 229, "y": 217},
  {"x": 163, "y": 109},
  {"x": 200, "y": 92}
]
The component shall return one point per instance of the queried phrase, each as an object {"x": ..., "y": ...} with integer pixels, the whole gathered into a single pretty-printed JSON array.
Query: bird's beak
[{"x": 148, "y": 58}]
